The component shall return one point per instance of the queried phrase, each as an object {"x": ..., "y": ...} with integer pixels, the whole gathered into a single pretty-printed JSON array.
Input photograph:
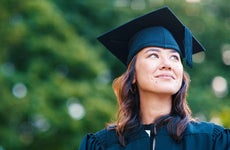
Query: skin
[{"x": 158, "y": 75}]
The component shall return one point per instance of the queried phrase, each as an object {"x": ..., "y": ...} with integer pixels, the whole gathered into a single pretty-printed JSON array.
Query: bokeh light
[
  {"x": 198, "y": 57},
  {"x": 216, "y": 120},
  {"x": 75, "y": 109},
  {"x": 104, "y": 77},
  {"x": 8, "y": 69},
  {"x": 226, "y": 57},
  {"x": 41, "y": 123},
  {"x": 19, "y": 90},
  {"x": 226, "y": 54},
  {"x": 137, "y": 5},
  {"x": 220, "y": 86},
  {"x": 193, "y": 1}
]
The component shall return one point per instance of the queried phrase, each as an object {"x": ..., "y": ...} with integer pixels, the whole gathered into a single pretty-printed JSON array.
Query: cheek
[
  {"x": 180, "y": 80},
  {"x": 144, "y": 71},
  {"x": 179, "y": 72},
  {"x": 142, "y": 75}
]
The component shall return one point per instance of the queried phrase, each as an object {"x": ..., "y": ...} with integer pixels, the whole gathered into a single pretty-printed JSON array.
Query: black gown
[{"x": 197, "y": 136}]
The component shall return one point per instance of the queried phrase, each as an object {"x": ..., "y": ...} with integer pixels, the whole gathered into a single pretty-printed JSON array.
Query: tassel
[{"x": 188, "y": 47}]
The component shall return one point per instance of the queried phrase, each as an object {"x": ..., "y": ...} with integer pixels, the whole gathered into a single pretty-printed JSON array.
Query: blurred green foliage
[{"x": 50, "y": 59}]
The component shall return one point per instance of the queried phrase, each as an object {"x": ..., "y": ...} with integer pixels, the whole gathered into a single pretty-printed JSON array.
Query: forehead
[{"x": 158, "y": 49}]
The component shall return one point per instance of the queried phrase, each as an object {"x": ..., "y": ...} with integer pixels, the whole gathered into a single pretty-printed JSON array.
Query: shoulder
[
  {"x": 106, "y": 136},
  {"x": 203, "y": 127},
  {"x": 99, "y": 140},
  {"x": 207, "y": 135}
]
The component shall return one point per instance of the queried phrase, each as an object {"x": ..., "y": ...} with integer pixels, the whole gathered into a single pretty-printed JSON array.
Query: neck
[{"x": 154, "y": 106}]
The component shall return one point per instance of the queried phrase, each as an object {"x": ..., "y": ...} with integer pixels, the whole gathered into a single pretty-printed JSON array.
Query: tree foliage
[{"x": 56, "y": 78}]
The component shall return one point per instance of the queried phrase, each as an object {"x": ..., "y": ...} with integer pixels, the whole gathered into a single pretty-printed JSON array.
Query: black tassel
[{"x": 188, "y": 46}]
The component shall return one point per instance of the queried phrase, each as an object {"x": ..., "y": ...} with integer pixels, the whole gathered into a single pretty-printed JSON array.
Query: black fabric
[{"x": 198, "y": 136}]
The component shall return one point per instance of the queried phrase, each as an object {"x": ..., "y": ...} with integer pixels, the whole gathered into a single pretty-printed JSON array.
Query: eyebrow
[
  {"x": 158, "y": 50},
  {"x": 152, "y": 49}
]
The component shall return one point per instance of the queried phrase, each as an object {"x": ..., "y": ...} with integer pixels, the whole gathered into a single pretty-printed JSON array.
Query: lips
[{"x": 165, "y": 76}]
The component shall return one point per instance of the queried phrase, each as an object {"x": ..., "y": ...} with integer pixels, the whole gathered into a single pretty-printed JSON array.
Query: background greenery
[{"x": 55, "y": 77}]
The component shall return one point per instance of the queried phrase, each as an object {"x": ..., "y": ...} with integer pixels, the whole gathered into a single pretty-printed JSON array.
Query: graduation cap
[{"x": 160, "y": 28}]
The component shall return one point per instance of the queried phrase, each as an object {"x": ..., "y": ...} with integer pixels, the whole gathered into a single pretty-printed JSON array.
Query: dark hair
[{"x": 129, "y": 118}]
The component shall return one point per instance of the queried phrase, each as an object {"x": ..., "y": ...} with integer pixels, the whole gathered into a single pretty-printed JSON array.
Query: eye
[
  {"x": 175, "y": 57},
  {"x": 153, "y": 55}
]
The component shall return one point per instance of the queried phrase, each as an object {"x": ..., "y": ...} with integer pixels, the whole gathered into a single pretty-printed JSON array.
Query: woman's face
[{"x": 158, "y": 71}]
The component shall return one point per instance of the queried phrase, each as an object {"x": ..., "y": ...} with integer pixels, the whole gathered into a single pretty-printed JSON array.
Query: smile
[{"x": 165, "y": 76}]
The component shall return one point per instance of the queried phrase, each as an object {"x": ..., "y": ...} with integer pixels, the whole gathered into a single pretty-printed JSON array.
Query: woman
[{"x": 153, "y": 112}]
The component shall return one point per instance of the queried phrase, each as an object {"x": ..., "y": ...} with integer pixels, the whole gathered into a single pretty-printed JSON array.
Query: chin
[{"x": 170, "y": 91}]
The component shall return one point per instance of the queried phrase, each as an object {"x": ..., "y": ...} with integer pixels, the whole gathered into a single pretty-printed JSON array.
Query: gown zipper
[{"x": 153, "y": 133}]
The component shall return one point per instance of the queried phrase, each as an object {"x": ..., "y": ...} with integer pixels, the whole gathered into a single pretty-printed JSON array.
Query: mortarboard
[{"x": 158, "y": 28}]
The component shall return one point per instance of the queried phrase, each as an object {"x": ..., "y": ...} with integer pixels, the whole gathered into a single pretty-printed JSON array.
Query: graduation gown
[{"x": 197, "y": 136}]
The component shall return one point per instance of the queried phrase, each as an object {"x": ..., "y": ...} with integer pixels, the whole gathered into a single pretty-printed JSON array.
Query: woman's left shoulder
[
  {"x": 206, "y": 128},
  {"x": 219, "y": 135}
]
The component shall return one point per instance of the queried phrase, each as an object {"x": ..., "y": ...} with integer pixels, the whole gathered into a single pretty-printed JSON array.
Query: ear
[{"x": 134, "y": 79}]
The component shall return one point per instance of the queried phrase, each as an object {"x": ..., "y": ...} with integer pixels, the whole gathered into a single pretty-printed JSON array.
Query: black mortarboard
[{"x": 158, "y": 28}]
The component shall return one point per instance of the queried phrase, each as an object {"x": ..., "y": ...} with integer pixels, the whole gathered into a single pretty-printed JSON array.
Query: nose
[{"x": 165, "y": 64}]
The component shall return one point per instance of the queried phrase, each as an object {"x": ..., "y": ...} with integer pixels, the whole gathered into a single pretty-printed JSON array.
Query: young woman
[{"x": 153, "y": 113}]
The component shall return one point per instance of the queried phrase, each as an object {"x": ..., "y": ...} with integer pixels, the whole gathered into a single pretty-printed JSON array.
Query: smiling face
[{"x": 158, "y": 71}]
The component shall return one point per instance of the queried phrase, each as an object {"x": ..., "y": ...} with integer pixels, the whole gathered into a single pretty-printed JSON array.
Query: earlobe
[{"x": 134, "y": 79}]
